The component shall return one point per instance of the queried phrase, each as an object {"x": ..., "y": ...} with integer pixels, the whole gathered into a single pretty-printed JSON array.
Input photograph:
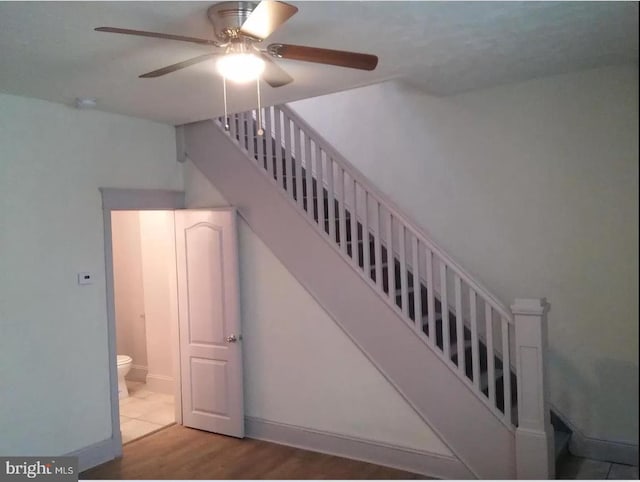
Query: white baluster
[
  {"x": 298, "y": 162},
  {"x": 260, "y": 143},
  {"x": 444, "y": 306},
  {"x": 233, "y": 126},
  {"x": 431, "y": 303},
  {"x": 242, "y": 131},
  {"x": 251, "y": 136},
  {"x": 506, "y": 369},
  {"x": 343, "y": 212},
  {"x": 378, "y": 248},
  {"x": 288, "y": 171},
  {"x": 331, "y": 199},
  {"x": 366, "y": 263},
  {"x": 460, "y": 344},
  {"x": 320, "y": 187},
  {"x": 404, "y": 294},
  {"x": 475, "y": 347},
  {"x": 391, "y": 269},
  {"x": 268, "y": 134},
  {"x": 417, "y": 291},
  {"x": 491, "y": 373},
  {"x": 308, "y": 168},
  {"x": 354, "y": 222},
  {"x": 277, "y": 119}
]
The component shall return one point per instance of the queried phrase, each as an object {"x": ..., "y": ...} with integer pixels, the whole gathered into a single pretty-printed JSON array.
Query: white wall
[
  {"x": 131, "y": 336},
  {"x": 534, "y": 188},
  {"x": 299, "y": 366},
  {"x": 144, "y": 281},
  {"x": 53, "y": 345},
  {"x": 157, "y": 238}
]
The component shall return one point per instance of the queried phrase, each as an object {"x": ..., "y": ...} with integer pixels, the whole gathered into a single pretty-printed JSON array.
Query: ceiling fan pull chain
[
  {"x": 224, "y": 95},
  {"x": 260, "y": 130}
]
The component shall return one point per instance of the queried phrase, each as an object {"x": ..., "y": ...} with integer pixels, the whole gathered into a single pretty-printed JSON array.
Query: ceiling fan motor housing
[{"x": 228, "y": 17}]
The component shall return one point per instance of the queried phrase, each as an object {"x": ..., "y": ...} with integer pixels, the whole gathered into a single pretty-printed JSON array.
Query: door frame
[{"x": 114, "y": 199}]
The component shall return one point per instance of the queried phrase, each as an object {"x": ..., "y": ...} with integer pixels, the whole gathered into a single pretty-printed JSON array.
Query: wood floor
[{"x": 182, "y": 453}]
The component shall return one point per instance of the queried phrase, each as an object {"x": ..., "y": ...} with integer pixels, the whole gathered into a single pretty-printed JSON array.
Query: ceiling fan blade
[
  {"x": 273, "y": 74},
  {"x": 142, "y": 33},
  {"x": 180, "y": 65},
  {"x": 352, "y": 60},
  {"x": 266, "y": 18}
]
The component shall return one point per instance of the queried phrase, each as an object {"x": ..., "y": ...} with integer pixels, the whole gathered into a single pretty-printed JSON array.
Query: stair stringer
[{"x": 484, "y": 444}]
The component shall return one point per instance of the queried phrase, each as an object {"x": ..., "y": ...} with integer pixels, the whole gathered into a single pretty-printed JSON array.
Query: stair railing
[{"x": 460, "y": 320}]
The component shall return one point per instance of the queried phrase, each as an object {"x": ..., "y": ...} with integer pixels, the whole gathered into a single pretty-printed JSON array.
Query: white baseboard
[
  {"x": 160, "y": 384},
  {"x": 598, "y": 449},
  {"x": 96, "y": 454},
  {"x": 381, "y": 453},
  {"x": 138, "y": 373},
  {"x": 606, "y": 450}
]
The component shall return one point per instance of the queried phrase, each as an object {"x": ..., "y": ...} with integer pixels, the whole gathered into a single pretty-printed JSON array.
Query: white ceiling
[{"x": 49, "y": 50}]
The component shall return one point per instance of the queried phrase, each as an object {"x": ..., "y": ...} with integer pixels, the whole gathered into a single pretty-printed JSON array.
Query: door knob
[{"x": 231, "y": 338}]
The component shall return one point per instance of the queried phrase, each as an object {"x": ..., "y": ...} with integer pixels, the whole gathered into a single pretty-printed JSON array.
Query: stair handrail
[{"x": 391, "y": 206}]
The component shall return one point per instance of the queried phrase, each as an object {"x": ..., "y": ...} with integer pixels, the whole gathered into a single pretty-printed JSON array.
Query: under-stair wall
[
  {"x": 342, "y": 404},
  {"x": 410, "y": 285}
]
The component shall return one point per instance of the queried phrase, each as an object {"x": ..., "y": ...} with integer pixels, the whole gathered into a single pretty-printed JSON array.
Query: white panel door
[{"x": 209, "y": 314}]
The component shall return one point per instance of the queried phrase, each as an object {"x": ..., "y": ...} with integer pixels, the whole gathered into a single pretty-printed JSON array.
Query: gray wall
[
  {"x": 534, "y": 188},
  {"x": 54, "y": 376}
]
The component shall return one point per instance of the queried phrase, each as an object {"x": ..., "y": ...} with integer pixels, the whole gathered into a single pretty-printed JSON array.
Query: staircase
[
  {"x": 400, "y": 288},
  {"x": 460, "y": 322}
]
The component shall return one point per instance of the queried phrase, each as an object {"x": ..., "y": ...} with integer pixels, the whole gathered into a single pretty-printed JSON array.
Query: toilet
[{"x": 124, "y": 365}]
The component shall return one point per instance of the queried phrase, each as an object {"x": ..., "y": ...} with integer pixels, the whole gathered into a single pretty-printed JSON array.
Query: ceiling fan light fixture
[{"x": 240, "y": 67}]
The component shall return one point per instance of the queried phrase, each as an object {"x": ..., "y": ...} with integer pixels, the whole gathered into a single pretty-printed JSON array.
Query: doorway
[
  {"x": 205, "y": 347},
  {"x": 146, "y": 319}
]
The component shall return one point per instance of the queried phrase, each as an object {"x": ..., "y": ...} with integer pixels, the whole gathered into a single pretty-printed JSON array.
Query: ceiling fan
[{"x": 238, "y": 28}]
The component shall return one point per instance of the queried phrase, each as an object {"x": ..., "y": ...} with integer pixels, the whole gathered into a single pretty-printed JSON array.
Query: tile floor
[
  {"x": 572, "y": 467},
  {"x": 144, "y": 412}
]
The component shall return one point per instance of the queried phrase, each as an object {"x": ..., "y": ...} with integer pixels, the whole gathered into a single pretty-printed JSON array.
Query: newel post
[{"x": 534, "y": 436}]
